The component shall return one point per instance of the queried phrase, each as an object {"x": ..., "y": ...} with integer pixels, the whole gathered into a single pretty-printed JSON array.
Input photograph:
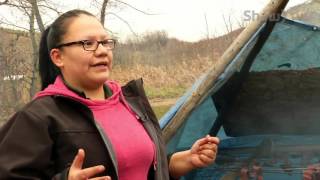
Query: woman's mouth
[{"x": 103, "y": 64}]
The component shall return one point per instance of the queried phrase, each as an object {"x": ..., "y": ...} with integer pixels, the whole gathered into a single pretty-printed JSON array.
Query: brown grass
[
  {"x": 163, "y": 83},
  {"x": 176, "y": 75}
]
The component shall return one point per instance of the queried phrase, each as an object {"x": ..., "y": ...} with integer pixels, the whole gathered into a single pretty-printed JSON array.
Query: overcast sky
[{"x": 182, "y": 19}]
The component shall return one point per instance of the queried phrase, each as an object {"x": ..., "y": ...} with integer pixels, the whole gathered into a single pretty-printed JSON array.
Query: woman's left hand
[{"x": 204, "y": 151}]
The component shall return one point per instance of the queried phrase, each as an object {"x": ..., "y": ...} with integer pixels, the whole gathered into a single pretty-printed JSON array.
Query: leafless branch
[
  {"x": 241, "y": 23},
  {"x": 4, "y": 2},
  {"x": 124, "y": 21},
  {"x": 228, "y": 23},
  {"x": 14, "y": 25},
  {"x": 50, "y": 8},
  {"x": 20, "y": 5},
  {"x": 109, "y": 31},
  {"x": 52, "y": 4},
  {"x": 131, "y": 6},
  {"x": 17, "y": 6},
  {"x": 207, "y": 27}
]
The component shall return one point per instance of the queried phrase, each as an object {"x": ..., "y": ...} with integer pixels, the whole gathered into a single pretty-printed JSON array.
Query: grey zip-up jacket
[{"x": 41, "y": 140}]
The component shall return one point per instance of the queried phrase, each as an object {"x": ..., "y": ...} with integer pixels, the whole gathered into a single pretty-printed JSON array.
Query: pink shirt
[{"x": 134, "y": 149}]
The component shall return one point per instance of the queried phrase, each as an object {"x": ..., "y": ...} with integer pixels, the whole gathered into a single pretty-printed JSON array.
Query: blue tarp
[{"x": 291, "y": 47}]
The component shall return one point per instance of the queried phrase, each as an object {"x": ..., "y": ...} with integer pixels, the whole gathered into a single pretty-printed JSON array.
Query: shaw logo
[{"x": 250, "y": 15}]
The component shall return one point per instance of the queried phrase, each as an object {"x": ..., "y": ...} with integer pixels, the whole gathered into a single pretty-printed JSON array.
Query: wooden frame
[{"x": 273, "y": 8}]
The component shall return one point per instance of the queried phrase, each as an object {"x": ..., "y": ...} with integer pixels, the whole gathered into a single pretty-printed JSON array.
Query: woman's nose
[{"x": 101, "y": 50}]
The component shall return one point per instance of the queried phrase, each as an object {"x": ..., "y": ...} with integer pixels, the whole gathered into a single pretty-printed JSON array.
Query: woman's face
[{"x": 84, "y": 69}]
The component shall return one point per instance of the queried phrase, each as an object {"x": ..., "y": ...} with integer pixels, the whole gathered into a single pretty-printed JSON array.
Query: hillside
[{"x": 308, "y": 12}]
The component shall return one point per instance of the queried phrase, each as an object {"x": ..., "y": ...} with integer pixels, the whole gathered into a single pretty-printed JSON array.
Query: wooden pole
[{"x": 274, "y": 7}]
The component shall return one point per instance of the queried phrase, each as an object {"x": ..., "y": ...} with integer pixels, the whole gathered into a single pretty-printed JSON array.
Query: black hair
[{"x": 50, "y": 39}]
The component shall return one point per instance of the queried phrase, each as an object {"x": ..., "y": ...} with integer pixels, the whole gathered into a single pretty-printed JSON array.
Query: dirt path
[{"x": 163, "y": 102}]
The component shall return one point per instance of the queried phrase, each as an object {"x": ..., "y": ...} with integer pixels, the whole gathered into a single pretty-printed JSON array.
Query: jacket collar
[{"x": 106, "y": 89}]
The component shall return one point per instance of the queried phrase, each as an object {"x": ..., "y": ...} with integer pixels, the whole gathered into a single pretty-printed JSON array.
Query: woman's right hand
[
  {"x": 77, "y": 173},
  {"x": 312, "y": 172}
]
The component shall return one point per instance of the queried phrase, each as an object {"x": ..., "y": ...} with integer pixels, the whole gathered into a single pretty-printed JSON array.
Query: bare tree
[
  {"x": 102, "y": 6},
  {"x": 241, "y": 23},
  {"x": 35, "y": 12},
  {"x": 103, "y": 11},
  {"x": 207, "y": 27},
  {"x": 229, "y": 27},
  {"x": 13, "y": 84},
  {"x": 228, "y": 23},
  {"x": 30, "y": 8},
  {"x": 27, "y": 70},
  {"x": 34, "y": 48}
]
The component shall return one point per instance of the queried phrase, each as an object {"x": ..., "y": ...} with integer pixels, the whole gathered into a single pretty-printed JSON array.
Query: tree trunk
[
  {"x": 36, "y": 12},
  {"x": 33, "y": 83},
  {"x": 103, "y": 11}
]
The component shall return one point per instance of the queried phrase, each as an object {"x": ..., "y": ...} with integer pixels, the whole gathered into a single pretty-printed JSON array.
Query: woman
[{"x": 82, "y": 125}]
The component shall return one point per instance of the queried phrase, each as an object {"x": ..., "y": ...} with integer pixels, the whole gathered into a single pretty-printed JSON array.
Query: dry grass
[
  {"x": 163, "y": 83},
  {"x": 163, "y": 77}
]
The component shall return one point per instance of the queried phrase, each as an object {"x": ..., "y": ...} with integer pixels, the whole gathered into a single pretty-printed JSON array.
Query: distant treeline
[{"x": 156, "y": 48}]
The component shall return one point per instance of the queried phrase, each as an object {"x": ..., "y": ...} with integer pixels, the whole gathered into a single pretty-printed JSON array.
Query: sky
[{"x": 190, "y": 20}]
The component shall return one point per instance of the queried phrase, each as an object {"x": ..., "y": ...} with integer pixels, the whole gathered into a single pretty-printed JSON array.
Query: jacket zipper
[
  {"x": 155, "y": 158},
  {"x": 149, "y": 129},
  {"x": 154, "y": 162}
]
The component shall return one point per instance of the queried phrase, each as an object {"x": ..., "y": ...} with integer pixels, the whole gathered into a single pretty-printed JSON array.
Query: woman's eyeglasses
[{"x": 91, "y": 45}]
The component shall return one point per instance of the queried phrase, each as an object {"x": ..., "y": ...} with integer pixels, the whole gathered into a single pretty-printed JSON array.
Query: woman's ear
[{"x": 56, "y": 57}]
